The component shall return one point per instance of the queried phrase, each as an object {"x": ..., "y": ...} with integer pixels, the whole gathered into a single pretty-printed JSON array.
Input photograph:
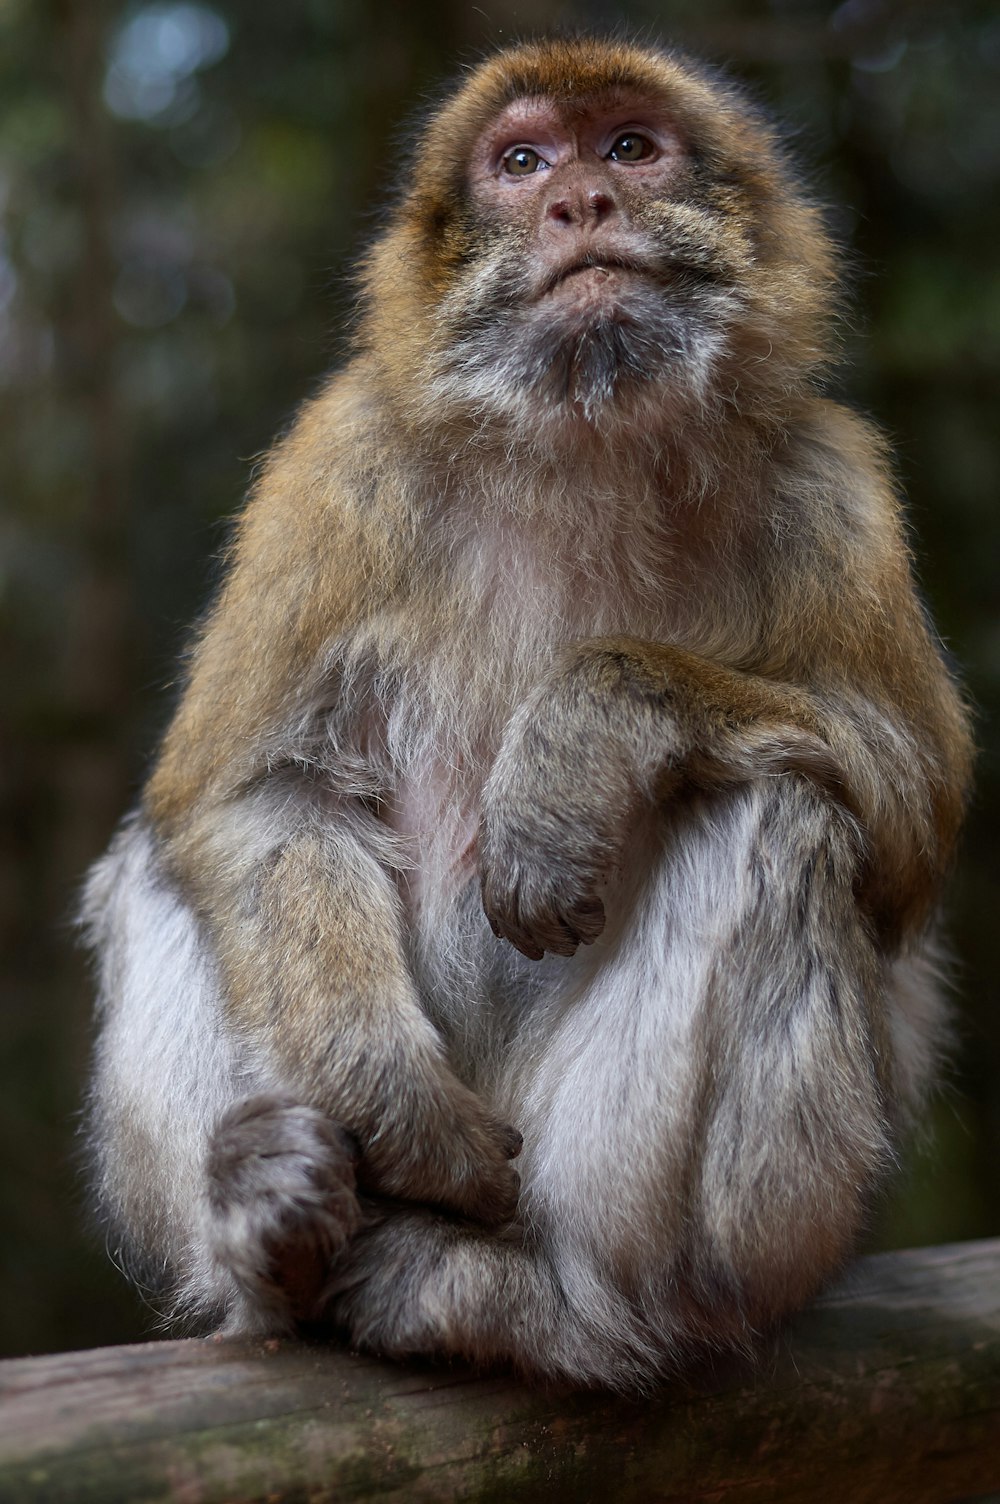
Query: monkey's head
[{"x": 597, "y": 234}]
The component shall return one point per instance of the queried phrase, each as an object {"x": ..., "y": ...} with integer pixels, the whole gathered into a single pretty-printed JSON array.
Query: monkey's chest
[{"x": 435, "y": 814}]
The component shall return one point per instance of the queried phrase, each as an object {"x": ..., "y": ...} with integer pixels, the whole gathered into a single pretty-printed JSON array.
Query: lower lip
[
  {"x": 593, "y": 281},
  {"x": 598, "y": 273}
]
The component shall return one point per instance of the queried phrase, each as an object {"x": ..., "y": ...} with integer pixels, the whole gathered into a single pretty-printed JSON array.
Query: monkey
[{"x": 524, "y": 950}]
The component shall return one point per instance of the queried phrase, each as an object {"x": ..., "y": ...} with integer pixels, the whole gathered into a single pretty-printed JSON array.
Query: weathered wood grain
[{"x": 887, "y": 1391}]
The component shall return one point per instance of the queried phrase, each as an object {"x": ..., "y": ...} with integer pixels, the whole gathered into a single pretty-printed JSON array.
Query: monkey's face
[
  {"x": 597, "y": 234},
  {"x": 597, "y": 280}
]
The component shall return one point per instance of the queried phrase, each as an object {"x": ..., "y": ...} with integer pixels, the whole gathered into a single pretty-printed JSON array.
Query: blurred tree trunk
[
  {"x": 90, "y": 772},
  {"x": 414, "y": 42}
]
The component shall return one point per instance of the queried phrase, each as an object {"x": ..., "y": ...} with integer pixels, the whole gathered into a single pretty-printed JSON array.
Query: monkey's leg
[
  {"x": 221, "y": 1194},
  {"x": 241, "y": 1204},
  {"x": 705, "y": 1118}
]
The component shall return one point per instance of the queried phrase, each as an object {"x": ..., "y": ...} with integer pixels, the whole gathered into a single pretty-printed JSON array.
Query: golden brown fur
[{"x": 569, "y": 572}]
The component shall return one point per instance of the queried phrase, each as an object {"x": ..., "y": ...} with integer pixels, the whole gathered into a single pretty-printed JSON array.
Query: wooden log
[{"x": 887, "y": 1390}]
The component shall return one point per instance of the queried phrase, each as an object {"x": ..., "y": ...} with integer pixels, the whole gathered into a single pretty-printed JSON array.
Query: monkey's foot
[
  {"x": 282, "y": 1206},
  {"x": 391, "y": 1291},
  {"x": 415, "y": 1283}
]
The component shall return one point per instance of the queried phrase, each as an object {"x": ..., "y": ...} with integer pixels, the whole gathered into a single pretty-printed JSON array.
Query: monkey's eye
[
  {"x": 521, "y": 161},
  {"x": 631, "y": 147}
]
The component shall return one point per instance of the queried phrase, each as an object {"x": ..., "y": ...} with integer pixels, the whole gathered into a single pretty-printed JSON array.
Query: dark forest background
[{"x": 182, "y": 188}]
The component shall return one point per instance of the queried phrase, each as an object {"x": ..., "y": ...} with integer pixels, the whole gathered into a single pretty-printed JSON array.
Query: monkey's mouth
[{"x": 604, "y": 269}]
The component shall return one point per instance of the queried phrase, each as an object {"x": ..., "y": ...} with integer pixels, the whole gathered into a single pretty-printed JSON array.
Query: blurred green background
[{"x": 182, "y": 186}]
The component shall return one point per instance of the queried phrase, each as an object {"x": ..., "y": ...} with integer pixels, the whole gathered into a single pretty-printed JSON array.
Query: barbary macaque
[{"x": 523, "y": 950}]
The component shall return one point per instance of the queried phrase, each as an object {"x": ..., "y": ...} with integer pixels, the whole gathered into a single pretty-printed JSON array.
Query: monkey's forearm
[
  {"x": 622, "y": 721},
  {"x": 682, "y": 714},
  {"x": 307, "y": 935},
  {"x": 903, "y": 788}
]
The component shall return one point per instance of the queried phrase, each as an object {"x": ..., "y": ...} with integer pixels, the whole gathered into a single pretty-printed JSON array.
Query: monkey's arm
[
  {"x": 288, "y": 872},
  {"x": 626, "y": 722},
  {"x": 851, "y": 692}
]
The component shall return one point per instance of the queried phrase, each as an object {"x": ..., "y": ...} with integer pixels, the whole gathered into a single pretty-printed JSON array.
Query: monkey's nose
[{"x": 582, "y": 206}]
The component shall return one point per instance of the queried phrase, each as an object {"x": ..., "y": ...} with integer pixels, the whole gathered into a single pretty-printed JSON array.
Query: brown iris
[
  {"x": 521, "y": 161},
  {"x": 631, "y": 147}
]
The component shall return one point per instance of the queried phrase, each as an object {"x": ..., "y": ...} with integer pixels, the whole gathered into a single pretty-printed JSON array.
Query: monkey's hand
[
  {"x": 537, "y": 901},
  {"x": 556, "y": 809},
  {"x": 434, "y": 1141}
]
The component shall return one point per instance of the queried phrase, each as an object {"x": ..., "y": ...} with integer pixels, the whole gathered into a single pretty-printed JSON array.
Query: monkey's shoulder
[
  {"x": 831, "y": 482},
  {"x": 330, "y": 512},
  {"x": 331, "y": 458}
]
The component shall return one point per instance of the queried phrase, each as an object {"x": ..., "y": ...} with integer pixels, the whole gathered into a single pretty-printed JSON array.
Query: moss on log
[{"x": 887, "y": 1390}]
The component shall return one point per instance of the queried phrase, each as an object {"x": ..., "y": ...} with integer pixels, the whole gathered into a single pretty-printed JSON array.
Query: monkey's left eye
[
  {"x": 521, "y": 161},
  {"x": 631, "y": 147}
]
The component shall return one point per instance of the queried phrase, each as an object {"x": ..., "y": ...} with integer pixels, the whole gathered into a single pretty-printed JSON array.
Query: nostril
[{"x": 581, "y": 207}]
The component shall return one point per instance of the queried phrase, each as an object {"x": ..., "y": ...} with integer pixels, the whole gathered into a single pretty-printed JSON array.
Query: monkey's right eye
[{"x": 521, "y": 161}]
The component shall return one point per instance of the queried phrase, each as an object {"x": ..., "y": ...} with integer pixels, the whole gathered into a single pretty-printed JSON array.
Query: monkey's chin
[
  {"x": 598, "y": 361},
  {"x": 602, "y": 347}
]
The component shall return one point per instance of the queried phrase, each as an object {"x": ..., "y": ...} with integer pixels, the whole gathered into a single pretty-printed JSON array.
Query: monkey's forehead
[
  {"x": 576, "y": 74},
  {"x": 600, "y": 102}
]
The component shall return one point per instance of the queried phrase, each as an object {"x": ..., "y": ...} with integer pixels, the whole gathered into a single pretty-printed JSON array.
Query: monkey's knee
[
  {"x": 784, "y": 1066},
  {"x": 281, "y": 1207},
  {"x": 801, "y": 1124},
  {"x": 798, "y": 829}
]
